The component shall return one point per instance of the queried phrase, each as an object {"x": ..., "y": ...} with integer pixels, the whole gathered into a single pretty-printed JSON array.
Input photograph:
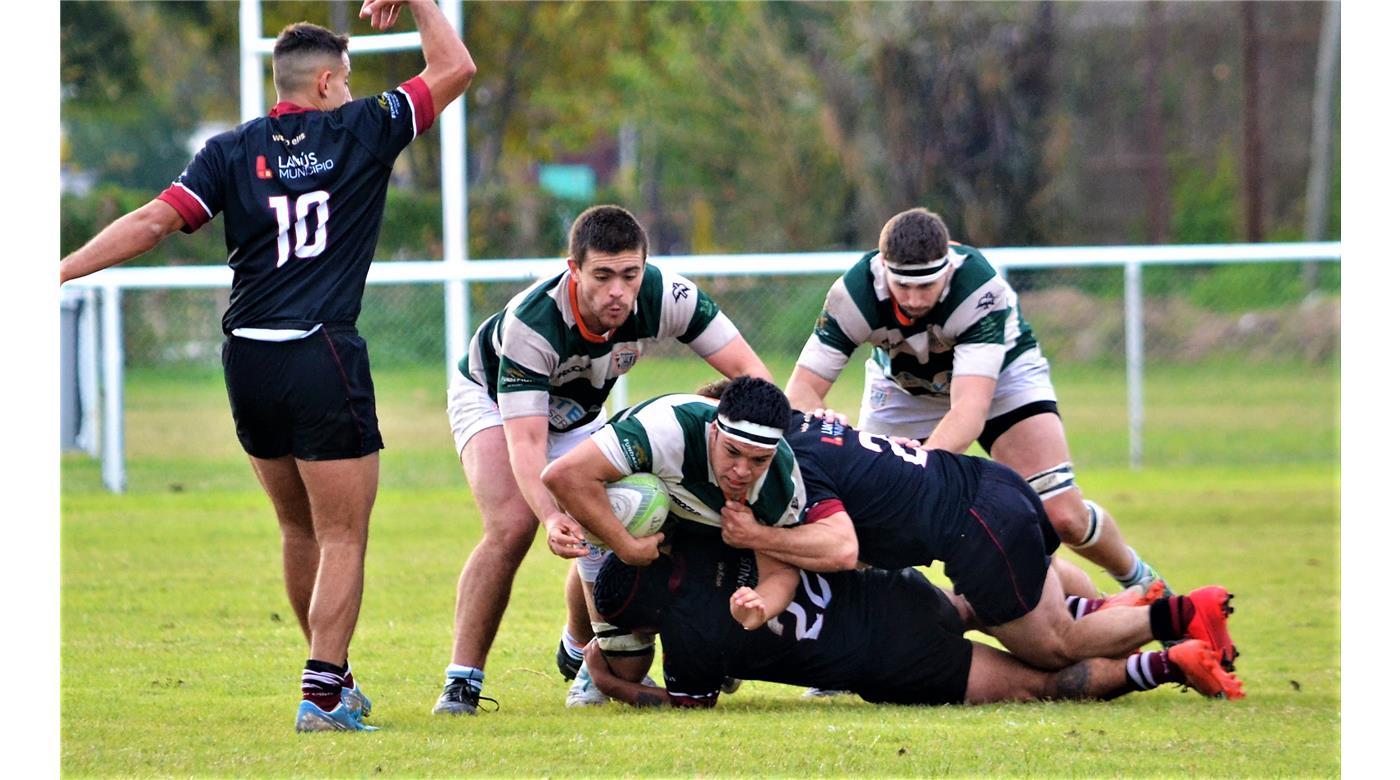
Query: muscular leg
[
  {"x": 1073, "y": 579},
  {"x": 1048, "y": 638},
  {"x": 341, "y": 495},
  {"x": 300, "y": 554},
  {"x": 580, "y": 627},
  {"x": 508, "y": 529},
  {"x": 1038, "y": 443},
  {"x": 997, "y": 676}
]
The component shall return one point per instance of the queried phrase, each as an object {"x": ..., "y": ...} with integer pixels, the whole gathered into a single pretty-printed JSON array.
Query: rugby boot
[
  {"x": 568, "y": 665},
  {"x": 1150, "y": 576},
  {"x": 1136, "y": 595},
  {"x": 730, "y": 685},
  {"x": 1198, "y": 661},
  {"x": 356, "y": 701},
  {"x": 458, "y": 698},
  {"x": 583, "y": 693},
  {"x": 1212, "y": 605},
  {"x": 313, "y": 718}
]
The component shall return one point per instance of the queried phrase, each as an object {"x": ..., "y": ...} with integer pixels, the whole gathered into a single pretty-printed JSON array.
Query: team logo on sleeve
[
  {"x": 679, "y": 290},
  {"x": 987, "y": 301},
  {"x": 389, "y": 103}
]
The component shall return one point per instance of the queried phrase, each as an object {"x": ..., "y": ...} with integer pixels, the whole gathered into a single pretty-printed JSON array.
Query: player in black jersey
[
  {"x": 888, "y": 636},
  {"x": 302, "y": 191},
  {"x": 876, "y": 500}
]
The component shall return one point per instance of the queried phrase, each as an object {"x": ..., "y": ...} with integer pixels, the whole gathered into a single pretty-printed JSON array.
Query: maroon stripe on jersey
[
  {"x": 186, "y": 206},
  {"x": 823, "y": 509},
  {"x": 417, "y": 91}
]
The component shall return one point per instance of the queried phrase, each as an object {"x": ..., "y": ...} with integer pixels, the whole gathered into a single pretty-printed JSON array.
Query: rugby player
[
  {"x": 953, "y": 363},
  {"x": 710, "y": 455},
  {"x": 533, "y": 385},
  {"x": 888, "y": 636},
  {"x": 873, "y": 500},
  {"x": 302, "y": 191}
]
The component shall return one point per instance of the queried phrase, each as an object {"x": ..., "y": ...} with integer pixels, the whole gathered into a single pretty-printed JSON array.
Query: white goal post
[{"x": 110, "y": 283}]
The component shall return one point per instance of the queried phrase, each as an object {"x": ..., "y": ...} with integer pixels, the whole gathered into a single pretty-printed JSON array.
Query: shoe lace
[{"x": 459, "y": 691}]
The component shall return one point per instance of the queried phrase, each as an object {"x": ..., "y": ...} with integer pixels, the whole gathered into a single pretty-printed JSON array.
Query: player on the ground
[
  {"x": 953, "y": 363},
  {"x": 302, "y": 191},
  {"x": 889, "y": 636},
  {"x": 874, "y": 500},
  {"x": 531, "y": 387},
  {"x": 710, "y": 455}
]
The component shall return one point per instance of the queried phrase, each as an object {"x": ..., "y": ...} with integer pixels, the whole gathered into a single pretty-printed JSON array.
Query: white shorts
[
  {"x": 470, "y": 411},
  {"x": 885, "y": 407}
]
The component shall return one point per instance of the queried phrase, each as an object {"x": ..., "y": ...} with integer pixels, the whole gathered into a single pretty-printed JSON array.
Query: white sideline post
[
  {"x": 1132, "y": 337},
  {"x": 113, "y": 444},
  {"x": 453, "y": 134},
  {"x": 250, "y": 73}
]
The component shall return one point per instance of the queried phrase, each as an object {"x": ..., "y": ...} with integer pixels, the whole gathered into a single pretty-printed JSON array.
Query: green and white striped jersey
[
  {"x": 975, "y": 329},
  {"x": 669, "y": 436},
  {"x": 534, "y": 361}
]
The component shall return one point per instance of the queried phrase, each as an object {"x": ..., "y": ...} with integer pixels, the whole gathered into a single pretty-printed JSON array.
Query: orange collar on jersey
[
  {"x": 287, "y": 107},
  {"x": 899, "y": 314},
  {"x": 583, "y": 330}
]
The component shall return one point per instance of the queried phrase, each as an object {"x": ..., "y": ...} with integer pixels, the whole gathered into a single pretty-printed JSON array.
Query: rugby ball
[{"x": 640, "y": 502}]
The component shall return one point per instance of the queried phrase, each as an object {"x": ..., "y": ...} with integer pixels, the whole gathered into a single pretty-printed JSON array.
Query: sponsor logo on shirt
[
  {"x": 389, "y": 103},
  {"x": 564, "y": 412},
  {"x": 623, "y": 358},
  {"x": 295, "y": 166},
  {"x": 263, "y": 172},
  {"x": 293, "y": 142},
  {"x": 637, "y": 459}
]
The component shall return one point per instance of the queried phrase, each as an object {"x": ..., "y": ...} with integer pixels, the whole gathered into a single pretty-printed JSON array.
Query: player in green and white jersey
[
  {"x": 724, "y": 459},
  {"x": 532, "y": 386},
  {"x": 953, "y": 363}
]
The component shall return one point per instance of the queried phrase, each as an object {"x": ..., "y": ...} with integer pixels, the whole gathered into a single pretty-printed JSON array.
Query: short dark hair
[
  {"x": 913, "y": 237},
  {"x": 633, "y": 597},
  {"x": 754, "y": 400},
  {"x": 608, "y": 229},
  {"x": 298, "y": 46}
]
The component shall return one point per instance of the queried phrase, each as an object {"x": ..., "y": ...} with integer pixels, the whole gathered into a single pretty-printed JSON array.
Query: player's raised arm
[
  {"x": 806, "y": 390},
  {"x": 737, "y": 358},
  {"x": 449, "y": 66},
  {"x": 130, "y": 236}
]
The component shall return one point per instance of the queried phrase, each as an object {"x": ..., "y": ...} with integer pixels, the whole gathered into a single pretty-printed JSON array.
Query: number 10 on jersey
[{"x": 279, "y": 204}]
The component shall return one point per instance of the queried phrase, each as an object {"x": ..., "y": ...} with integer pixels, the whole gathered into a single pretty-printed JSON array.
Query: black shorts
[
  {"x": 935, "y": 660},
  {"x": 311, "y": 398},
  {"x": 995, "y": 427},
  {"x": 1000, "y": 559}
]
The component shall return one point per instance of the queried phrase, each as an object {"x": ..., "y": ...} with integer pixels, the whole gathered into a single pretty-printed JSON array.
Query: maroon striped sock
[
  {"x": 1149, "y": 670},
  {"x": 320, "y": 684},
  {"x": 1170, "y": 617}
]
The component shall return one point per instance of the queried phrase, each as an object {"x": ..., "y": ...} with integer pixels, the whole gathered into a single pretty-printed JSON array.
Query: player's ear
[
  {"x": 575, "y": 270},
  {"x": 323, "y": 83}
]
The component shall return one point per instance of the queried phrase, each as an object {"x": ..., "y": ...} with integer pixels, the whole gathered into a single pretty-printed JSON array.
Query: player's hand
[
  {"x": 382, "y": 14},
  {"x": 737, "y": 525},
  {"x": 905, "y": 442},
  {"x": 748, "y": 608},
  {"x": 642, "y": 551},
  {"x": 565, "y": 536},
  {"x": 831, "y": 416}
]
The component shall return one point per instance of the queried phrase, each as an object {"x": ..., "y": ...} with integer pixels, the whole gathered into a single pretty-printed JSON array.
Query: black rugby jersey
[
  {"x": 302, "y": 192},
  {"x": 885, "y": 635},
  {"x": 907, "y": 504}
]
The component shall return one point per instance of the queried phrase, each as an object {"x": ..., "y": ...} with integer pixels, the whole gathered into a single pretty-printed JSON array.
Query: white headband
[
  {"x": 751, "y": 433},
  {"x": 923, "y": 273}
]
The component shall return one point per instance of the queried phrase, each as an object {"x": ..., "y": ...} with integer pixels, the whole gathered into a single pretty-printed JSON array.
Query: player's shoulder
[
  {"x": 972, "y": 272},
  {"x": 537, "y": 306},
  {"x": 859, "y": 288},
  {"x": 686, "y": 409}
]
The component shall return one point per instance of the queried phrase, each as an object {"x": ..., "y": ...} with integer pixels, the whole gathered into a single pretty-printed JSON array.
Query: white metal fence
[{"x": 100, "y": 369}]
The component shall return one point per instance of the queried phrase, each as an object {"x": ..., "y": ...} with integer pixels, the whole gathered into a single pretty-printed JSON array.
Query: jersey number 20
[{"x": 320, "y": 199}]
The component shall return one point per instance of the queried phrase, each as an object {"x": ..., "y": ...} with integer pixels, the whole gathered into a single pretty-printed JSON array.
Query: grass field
[{"x": 181, "y": 657}]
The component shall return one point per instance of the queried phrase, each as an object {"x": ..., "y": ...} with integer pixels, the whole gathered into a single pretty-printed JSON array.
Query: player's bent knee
[
  {"x": 621, "y": 643},
  {"x": 1092, "y": 524}
]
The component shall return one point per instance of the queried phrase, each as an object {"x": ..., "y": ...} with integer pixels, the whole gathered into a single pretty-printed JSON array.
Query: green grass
[{"x": 181, "y": 657}]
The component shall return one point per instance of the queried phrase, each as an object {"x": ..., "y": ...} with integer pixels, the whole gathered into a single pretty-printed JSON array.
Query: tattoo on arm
[
  {"x": 1072, "y": 682},
  {"x": 648, "y": 700}
]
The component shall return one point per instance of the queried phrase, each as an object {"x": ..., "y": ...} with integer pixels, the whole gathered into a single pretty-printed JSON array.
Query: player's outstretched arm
[
  {"x": 130, "y": 236},
  {"x": 827, "y": 544},
  {"x": 806, "y": 390},
  {"x": 737, "y": 359},
  {"x": 777, "y": 584},
  {"x": 449, "y": 66},
  {"x": 623, "y": 690},
  {"x": 971, "y": 397}
]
